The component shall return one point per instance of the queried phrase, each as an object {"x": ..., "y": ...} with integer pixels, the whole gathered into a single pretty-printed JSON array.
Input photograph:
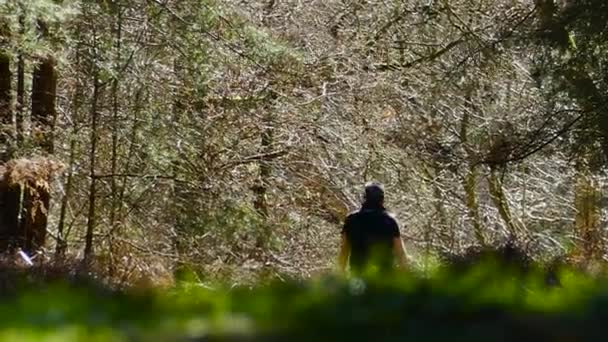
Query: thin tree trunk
[
  {"x": 586, "y": 200},
  {"x": 265, "y": 170},
  {"x": 179, "y": 188},
  {"x": 441, "y": 221},
  {"x": 20, "y": 88},
  {"x": 500, "y": 202},
  {"x": 62, "y": 244},
  {"x": 133, "y": 143},
  {"x": 440, "y": 218},
  {"x": 180, "y": 191},
  {"x": 114, "y": 157},
  {"x": 6, "y": 113},
  {"x": 91, "y": 217},
  {"x": 470, "y": 179},
  {"x": 20, "y": 100},
  {"x": 470, "y": 187},
  {"x": 261, "y": 188}
]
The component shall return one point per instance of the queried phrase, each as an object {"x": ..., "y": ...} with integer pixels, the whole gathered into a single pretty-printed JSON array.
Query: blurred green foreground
[{"x": 488, "y": 302}]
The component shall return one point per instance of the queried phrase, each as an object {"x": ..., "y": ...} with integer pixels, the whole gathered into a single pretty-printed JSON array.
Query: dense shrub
[{"x": 484, "y": 302}]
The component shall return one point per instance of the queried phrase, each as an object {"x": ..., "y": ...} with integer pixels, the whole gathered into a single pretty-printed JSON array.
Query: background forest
[{"x": 234, "y": 136}]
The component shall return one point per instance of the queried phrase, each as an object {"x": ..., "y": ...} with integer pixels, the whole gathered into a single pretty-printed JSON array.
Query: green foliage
[
  {"x": 574, "y": 61},
  {"x": 22, "y": 18},
  {"x": 484, "y": 303},
  {"x": 267, "y": 49},
  {"x": 232, "y": 222}
]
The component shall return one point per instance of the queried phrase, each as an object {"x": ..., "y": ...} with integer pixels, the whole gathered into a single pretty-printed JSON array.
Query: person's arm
[
  {"x": 399, "y": 251},
  {"x": 344, "y": 253}
]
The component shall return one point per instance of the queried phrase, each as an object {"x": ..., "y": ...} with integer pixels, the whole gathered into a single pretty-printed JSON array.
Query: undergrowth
[{"x": 488, "y": 301}]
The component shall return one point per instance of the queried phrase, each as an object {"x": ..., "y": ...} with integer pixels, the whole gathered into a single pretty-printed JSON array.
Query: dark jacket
[{"x": 370, "y": 233}]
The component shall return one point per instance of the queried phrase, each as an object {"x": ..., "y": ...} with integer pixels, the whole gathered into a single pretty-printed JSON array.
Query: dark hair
[{"x": 374, "y": 193}]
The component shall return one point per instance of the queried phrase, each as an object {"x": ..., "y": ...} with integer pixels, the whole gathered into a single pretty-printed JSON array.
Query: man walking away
[{"x": 370, "y": 236}]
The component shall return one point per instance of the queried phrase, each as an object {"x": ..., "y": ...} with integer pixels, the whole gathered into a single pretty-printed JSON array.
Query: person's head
[{"x": 373, "y": 195}]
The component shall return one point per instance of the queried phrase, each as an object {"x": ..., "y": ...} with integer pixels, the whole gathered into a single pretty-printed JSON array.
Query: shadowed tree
[{"x": 44, "y": 92}]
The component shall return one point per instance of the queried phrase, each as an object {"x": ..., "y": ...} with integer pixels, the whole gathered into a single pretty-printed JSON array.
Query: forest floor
[{"x": 486, "y": 302}]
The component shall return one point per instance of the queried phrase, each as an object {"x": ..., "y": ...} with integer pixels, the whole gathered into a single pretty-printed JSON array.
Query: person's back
[
  {"x": 370, "y": 236},
  {"x": 370, "y": 232}
]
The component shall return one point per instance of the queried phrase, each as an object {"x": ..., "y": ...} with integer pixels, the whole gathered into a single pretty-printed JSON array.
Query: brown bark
[
  {"x": 20, "y": 89},
  {"x": 587, "y": 197},
  {"x": 5, "y": 89},
  {"x": 10, "y": 198},
  {"x": 24, "y": 194},
  {"x": 34, "y": 216},
  {"x": 6, "y": 114},
  {"x": 20, "y": 129}
]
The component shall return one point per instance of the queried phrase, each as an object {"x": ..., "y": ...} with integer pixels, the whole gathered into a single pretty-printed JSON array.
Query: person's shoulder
[
  {"x": 350, "y": 220},
  {"x": 352, "y": 215},
  {"x": 390, "y": 216}
]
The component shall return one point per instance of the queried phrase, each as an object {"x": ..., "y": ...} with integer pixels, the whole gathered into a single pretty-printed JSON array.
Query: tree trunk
[
  {"x": 44, "y": 89},
  {"x": 44, "y": 86},
  {"x": 34, "y": 218},
  {"x": 62, "y": 244},
  {"x": 6, "y": 113},
  {"x": 20, "y": 89},
  {"x": 469, "y": 181},
  {"x": 10, "y": 201},
  {"x": 25, "y": 202},
  {"x": 91, "y": 217},
  {"x": 114, "y": 224},
  {"x": 501, "y": 203},
  {"x": 586, "y": 201},
  {"x": 261, "y": 188},
  {"x": 179, "y": 189},
  {"x": 470, "y": 187},
  {"x": 438, "y": 223},
  {"x": 134, "y": 141},
  {"x": 23, "y": 196}
]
